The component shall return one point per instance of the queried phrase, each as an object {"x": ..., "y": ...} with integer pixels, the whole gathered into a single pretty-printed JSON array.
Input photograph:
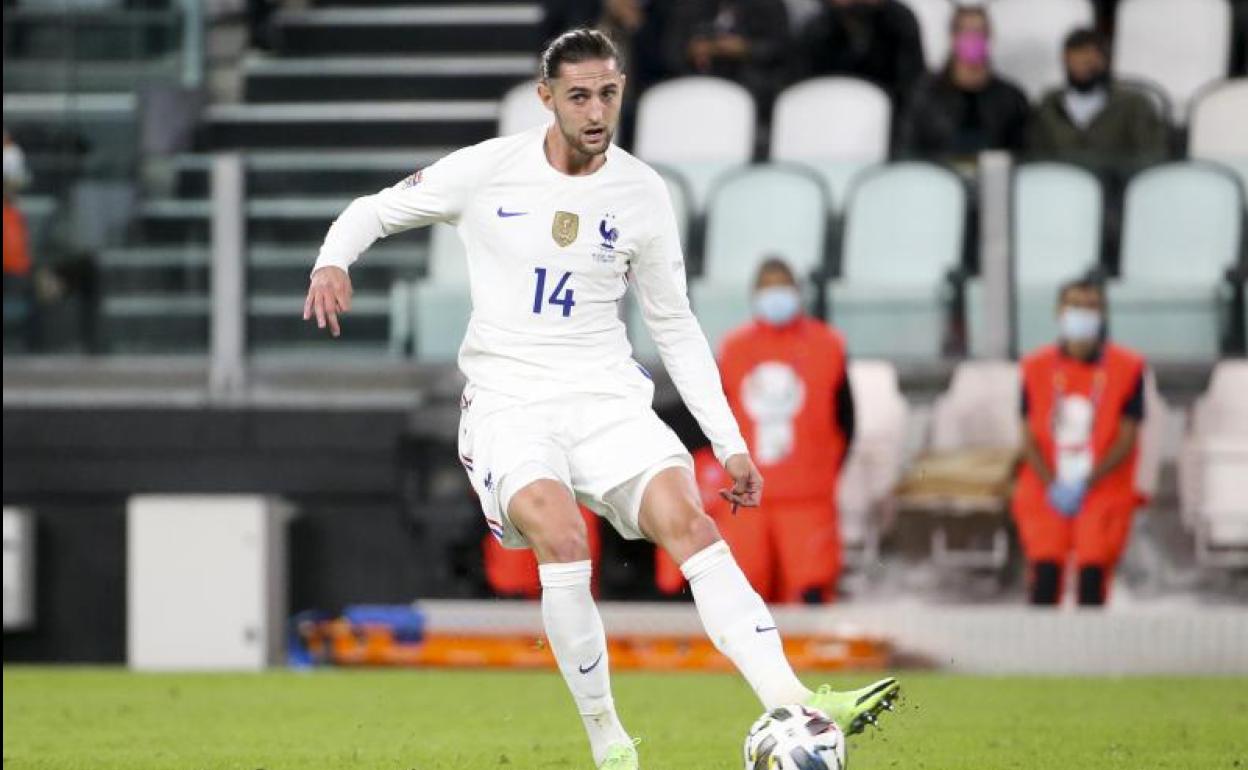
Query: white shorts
[{"x": 604, "y": 449}]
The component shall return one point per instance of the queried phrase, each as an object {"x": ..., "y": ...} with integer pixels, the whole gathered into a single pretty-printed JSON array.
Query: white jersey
[{"x": 550, "y": 257}]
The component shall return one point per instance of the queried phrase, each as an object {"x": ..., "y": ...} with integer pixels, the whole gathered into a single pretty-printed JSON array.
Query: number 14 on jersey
[{"x": 561, "y": 296}]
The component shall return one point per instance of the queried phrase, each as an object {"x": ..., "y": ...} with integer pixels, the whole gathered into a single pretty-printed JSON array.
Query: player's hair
[
  {"x": 774, "y": 265},
  {"x": 574, "y": 46},
  {"x": 1083, "y": 38},
  {"x": 1090, "y": 281}
]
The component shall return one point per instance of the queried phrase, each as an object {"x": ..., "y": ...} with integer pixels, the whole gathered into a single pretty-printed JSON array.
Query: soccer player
[{"x": 557, "y": 223}]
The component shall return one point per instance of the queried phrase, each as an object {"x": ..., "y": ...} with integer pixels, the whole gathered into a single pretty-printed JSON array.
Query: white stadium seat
[
  {"x": 700, "y": 126},
  {"x": 836, "y": 125},
  {"x": 678, "y": 190},
  {"x": 1213, "y": 464},
  {"x": 934, "y": 17},
  {"x": 1027, "y": 37},
  {"x": 1057, "y": 212},
  {"x": 873, "y": 467},
  {"x": 1182, "y": 46},
  {"x": 904, "y": 226},
  {"x": 521, "y": 110},
  {"x": 442, "y": 302},
  {"x": 763, "y": 211},
  {"x": 980, "y": 409},
  {"x": 1219, "y": 126},
  {"x": 1181, "y": 232}
]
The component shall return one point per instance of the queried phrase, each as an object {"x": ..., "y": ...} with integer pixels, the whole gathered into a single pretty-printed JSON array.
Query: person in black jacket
[
  {"x": 965, "y": 108},
  {"x": 877, "y": 40},
  {"x": 742, "y": 40}
]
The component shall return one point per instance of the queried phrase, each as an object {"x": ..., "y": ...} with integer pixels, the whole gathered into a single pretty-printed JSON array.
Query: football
[{"x": 794, "y": 738}]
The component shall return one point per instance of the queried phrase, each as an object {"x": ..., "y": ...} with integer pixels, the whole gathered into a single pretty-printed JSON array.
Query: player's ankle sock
[
  {"x": 740, "y": 625},
  {"x": 574, "y": 629}
]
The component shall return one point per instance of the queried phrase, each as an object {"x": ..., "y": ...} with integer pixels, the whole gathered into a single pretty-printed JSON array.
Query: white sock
[
  {"x": 574, "y": 629},
  {"x": 740, "y": 625}
]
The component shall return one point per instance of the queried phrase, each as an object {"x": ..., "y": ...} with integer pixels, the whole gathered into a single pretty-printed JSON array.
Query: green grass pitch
[{"x": 108, "y": 719}]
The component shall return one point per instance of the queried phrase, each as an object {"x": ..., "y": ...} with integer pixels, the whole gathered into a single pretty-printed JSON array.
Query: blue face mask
[
  {"x": 1079, "y": 324},
  {"x": 777, "y": 305}
]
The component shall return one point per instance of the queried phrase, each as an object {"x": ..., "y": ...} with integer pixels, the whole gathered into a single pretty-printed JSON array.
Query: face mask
[
  {"x": 971, "y": 47},
  {"x": 1079, "y": 324},
  {"x": 777, "y": 305},
  {"x": 1089, "y": 84},
  {"x": 14, "y": 166}
]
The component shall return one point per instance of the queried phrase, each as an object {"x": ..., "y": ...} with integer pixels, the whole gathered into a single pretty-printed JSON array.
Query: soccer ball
[{"x": 794, "y": 738}]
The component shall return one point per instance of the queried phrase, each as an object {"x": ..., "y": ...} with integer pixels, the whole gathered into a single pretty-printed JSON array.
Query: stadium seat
[
  {"x": 934, "y": 17},
  {"x": 639, "y": 336},
  {"x": 1181, "y": 46},
  {"x": 979, "y": 412},
  {"x": 1057, "y": 212},
  {"x": 700, "y": 126},
  {"x": 1213, "y": 462},
  {"x": 521, "y": 110},
  {"x": 903, "y": 235},
  {"x": 1181, "y": 233},
  {"x": 1219, "y": 126},
  {"x": 873, "y": 467},
  {"x": 442, "y": 303},
  {"x": 762, "y": 211},
  {"x": 836, "y": 125},
  {"x": 1027, "y": 39},
  {"x": 1153, "y": 435}
]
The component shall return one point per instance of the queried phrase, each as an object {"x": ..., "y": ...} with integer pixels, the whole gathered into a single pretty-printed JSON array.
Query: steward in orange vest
[
  {"x": 784, "y": 375},
  {"x": 1082, "y": 404}
]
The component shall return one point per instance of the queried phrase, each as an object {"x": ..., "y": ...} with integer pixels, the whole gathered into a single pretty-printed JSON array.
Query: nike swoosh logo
[
  {"x": 762, "y": 630},
  {"x": 591, "y": 666},
  {"x": 505, "y": 214}
]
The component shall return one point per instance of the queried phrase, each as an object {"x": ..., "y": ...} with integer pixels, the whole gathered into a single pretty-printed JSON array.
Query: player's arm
[
  {"x": 435, "y": 194},
  {"x": 659, "y": 279}
]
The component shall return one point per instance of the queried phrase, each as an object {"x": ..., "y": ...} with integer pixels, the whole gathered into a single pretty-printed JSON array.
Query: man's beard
[{"x": 577, "y": 144}]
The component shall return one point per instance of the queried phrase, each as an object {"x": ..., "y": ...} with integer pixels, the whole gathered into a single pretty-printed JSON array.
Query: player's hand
[
  {"x": 747, "y": 482},
  {"x": 328, "y": 295}
]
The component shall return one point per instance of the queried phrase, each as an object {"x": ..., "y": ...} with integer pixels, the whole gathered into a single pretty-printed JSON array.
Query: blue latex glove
[{"x": 1067, "y": 496}]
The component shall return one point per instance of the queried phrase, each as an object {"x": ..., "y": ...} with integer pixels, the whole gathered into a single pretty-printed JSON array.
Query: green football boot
[
  {"x": 854, "y": 710},
  {"x": 621, "y": 756}
]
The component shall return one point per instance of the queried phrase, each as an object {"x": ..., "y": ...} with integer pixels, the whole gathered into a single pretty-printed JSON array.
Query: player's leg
[
  {"x": 733, "y": 614},
  {"x": 544, "y": 511}
]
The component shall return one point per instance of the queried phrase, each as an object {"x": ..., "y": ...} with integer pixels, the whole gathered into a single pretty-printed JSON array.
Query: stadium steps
[
  {"x": 383, "y": 78},
  {"x": 322, "y": 171},
  {"x": 270, "y": 269},
  {"x": 56, "y": 74},
  {"x": 277, "y": 220},
  {"x": 379, "y": 124},
  {"x": 427, "y": 28},
  {"x": 35, "y": 30}
]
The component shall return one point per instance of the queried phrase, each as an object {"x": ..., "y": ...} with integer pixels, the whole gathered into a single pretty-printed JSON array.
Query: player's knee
[
  {"x": 690, "y": 533},
  {"x": 561, "y": 546}
]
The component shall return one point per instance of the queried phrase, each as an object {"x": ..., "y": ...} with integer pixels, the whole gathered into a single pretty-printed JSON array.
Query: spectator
[
  {"x": 1094, "y": 121},
  {"x": 965, "y": 108},
  {"x": 742, "y": 40},
  {"x": 877, "y": 40},
  {"x": 18, "y": 305},
  {"x": 1082, "y": 404},
  {"x": 785, "y": 377}
]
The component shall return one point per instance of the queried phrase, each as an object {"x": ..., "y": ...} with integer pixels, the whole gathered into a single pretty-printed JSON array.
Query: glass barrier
[{"x": 101, "y": 254}]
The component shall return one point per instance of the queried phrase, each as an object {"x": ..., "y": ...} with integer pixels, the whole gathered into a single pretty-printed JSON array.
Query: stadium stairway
[{"x": 351, "y": 99}]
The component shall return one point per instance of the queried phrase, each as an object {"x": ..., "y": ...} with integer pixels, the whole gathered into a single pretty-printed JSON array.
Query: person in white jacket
[{"x": 557, "y": 223}]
